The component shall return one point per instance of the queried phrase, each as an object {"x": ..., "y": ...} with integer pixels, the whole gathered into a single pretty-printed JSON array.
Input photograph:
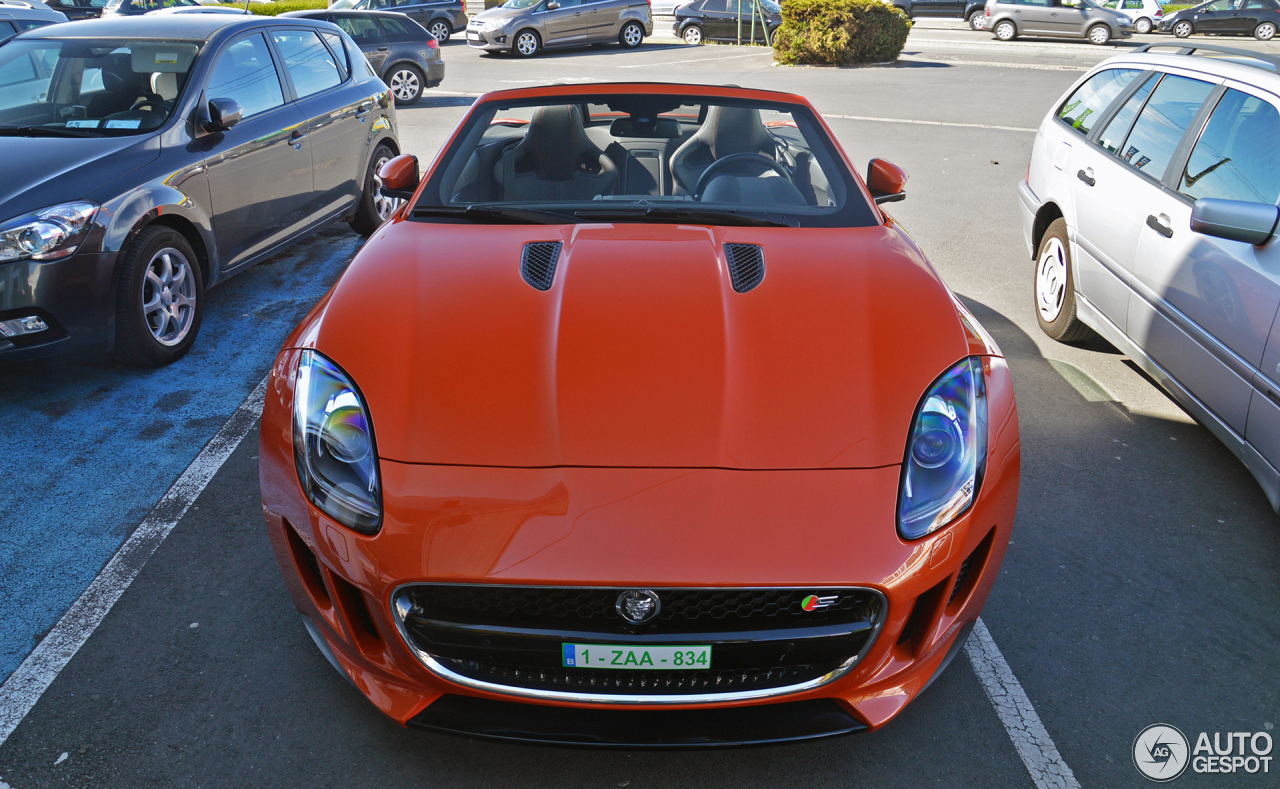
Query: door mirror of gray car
[
  {"x": 221, "y": 115},
  {"x": 553, "y": 5},
  {"x": 1237, "y": 220}
]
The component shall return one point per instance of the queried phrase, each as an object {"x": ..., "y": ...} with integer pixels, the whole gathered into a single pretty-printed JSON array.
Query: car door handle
[
  {"x": 1161, "y": 227},
  {"x": 296, "y": 139},
  {"x": 383, "y": 49},
  {"x": 1087, "y": 176}
]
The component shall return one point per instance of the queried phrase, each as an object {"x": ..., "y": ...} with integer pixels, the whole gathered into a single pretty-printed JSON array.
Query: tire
[
  {"x": 1054, "y": 287},
  {"x": 160, "y": 299},
  {"x": 1005, "y": 30},
  {"x": 526, "y": 43},
  {"x": 631, "y": 35},
  {"x": 977, "y": 20},
  {"x": 1265, "y": 31},
  {"x": 1183, "y": 29},
  {"x": 374, "y": 208},
  {"x": 1142, "y": 26},
  {"x": 692, "y": 35},
  {"x": 1099, "y": 34},
  {"x": 441, "y": 29},
  {"x": 405, "y": 81}
]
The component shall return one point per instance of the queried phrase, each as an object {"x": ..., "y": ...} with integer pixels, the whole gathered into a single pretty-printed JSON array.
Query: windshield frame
[{"x": 857, "y": 209}]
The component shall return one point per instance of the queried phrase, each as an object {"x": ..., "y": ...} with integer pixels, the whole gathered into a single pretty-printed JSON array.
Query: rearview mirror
[
  {"x": 221, "y": 114},
  {"x": 553, "y": 5},
  {"x": 1236, "y": 220},
  {"x": 887, "y": 181},
  {"x": 399, "y": 176}
]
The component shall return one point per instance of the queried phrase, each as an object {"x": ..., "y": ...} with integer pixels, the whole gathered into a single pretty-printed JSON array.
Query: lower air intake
[
  {"x": 746, "y": 265},
  {"x": 538, "y": 263}
]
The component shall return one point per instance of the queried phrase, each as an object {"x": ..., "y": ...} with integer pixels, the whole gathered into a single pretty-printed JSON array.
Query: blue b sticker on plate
[{"x": 569, "y": 656}]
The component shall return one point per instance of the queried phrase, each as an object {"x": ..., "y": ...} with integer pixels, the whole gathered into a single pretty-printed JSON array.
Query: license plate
[
  {"x": 642, "y": 658},
  {"x": 473, "y": 36}
]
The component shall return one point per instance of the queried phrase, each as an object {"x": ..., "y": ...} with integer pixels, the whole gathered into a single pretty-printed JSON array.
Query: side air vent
[
  {"x": 538, "y": 263},
  {"x": 746, "y": 265}
]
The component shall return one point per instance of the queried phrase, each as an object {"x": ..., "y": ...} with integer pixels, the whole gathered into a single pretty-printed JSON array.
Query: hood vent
[
  {"x": 538, "y": 263},
  {"x": 746, "y": 265}
]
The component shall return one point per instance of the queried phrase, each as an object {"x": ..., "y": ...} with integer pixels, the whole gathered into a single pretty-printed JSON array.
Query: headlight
[
  {"x": 946, "y": 453},
  {"x": 333, "y": 445},
  {"x": 493, "y": 24},
  {"x": 48, "y": 234}
]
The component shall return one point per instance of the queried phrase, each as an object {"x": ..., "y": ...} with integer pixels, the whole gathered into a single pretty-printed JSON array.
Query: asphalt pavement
[{"x": 1140, "y": 586}]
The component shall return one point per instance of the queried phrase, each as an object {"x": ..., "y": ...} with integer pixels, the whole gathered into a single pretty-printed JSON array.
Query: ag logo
[
  {"x": 1160, "y": 752},
  {"x": 638, "y": 606}
]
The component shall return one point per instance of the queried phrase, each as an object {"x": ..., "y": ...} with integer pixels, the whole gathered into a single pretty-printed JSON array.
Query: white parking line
[
  {"x": 1020, "y": 720},
  {"x": 29, "y": 681},
  {"x": 927, "y": 123}
]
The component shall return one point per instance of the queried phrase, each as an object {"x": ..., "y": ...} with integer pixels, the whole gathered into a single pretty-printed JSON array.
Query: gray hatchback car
[
  {"x": 1008, "y": 19},
  {"x": 526, "y": 27}
]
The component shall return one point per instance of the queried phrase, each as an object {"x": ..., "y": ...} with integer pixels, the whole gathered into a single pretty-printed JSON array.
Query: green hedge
[
  {"x": 1169, "y": 9},
  {"x": 272, "y": 9},
  {"x": 840, "y": 32}
]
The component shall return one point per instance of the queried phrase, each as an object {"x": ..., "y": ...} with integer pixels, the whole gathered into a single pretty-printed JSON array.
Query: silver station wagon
[{"x": 526, "y": 27}]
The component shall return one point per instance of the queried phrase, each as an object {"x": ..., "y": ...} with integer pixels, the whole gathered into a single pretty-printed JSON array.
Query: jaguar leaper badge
[{"x": 638, "y": 606}]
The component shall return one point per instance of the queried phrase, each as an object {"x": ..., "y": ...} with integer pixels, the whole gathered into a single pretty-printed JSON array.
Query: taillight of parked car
[{"x": 433, "y": 43}]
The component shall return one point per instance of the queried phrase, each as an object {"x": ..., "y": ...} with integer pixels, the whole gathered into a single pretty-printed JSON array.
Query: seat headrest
[
  {"x": 557, "y": 142},
  {"x": 165, "y": 85},
  {"x": 730, "y": 130}
]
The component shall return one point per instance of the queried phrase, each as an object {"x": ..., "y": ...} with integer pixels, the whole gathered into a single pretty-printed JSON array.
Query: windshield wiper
[
  {"x": 44, "y": 131},
  {"x": 495, "y": 214},
  {"x": 692, "y": 215}
]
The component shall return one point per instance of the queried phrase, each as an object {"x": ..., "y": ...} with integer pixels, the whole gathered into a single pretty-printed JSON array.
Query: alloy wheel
[
  {"x": 1182, "y": 29},
  {"x": 1265, "y": 31},
  {"x": 405, "y": 85},
  {"x": 527, "y": 43},
  {"x": 169, "y": 296},
  {"x": 1005, "y": 31},
  {"x": 1051, "y": 280},
  {"x": 693, "y": 35},
  {"x": 1099, "y": 34},
  {"x": 632, "y": 35},
  {"x": 1142, "y": 26},
  {"x": 441, "y": 31},
  {"x": 381, "y": 203},
  {"x": 977, "y": 20}
]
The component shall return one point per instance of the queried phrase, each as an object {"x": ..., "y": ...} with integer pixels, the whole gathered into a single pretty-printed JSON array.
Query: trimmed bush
[
  {"x": 273, "y": 9},
  {"x": 840, "y": 32},
  {"x": 1169, "y": 9}
]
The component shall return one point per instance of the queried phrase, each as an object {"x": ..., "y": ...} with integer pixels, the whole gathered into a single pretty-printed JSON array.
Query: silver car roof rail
[{"x": 1270, "y": 61}]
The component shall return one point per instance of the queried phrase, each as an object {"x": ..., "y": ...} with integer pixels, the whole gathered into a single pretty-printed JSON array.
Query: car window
[
  {"x": 1082, "y": 108},
  {"x": 340, "y": 52},
  {"x": 713, "y": 6},
  {"x": 393, "y": 27},
  {"x": 6, "y": 31},
  {"x": 1118, "y": 127},
  {"x": 1221, "y": 5},
  {"x": 1160, "y": 126},
  {"x": 308, "y": 61},
  {"x": 1033, "y": 2},
  {"x": 245, "y": 72},
  {"x": 1258, "y": 4},
  {"x": 569, "y": 3},
  {"x": 24, "y": 25},
  {"x": 1133, "y": 5},
  {"x": 1238, "y": 155},
  {"x": 362, "y": 29}
]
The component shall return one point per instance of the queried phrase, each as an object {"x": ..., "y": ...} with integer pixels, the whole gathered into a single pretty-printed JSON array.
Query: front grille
[
  {"x": 538, "y": 263},
  {"x": 746, "y": 265},
  {"x": 760, "y": 638},
  {"x": 961, "y": 577}
]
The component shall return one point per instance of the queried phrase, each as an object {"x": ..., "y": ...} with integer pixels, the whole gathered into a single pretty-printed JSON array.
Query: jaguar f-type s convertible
[{"x": 640, "y": 423}]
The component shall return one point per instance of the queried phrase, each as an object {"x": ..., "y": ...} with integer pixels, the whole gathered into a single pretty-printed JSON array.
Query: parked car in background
[
  {"x": 666, "y": 7},
  {"x": 18, "y": 17},
  {"x": 77, "y": 9},
  {"x": 139, "y": 7},
  {"x": 442, "y": 18},
  {"x": 1008, "y": 19},
  {"x": 1150, "y": 212},
  {"x": 400, "y": 50},
  {"x": 526, "y": 27},
  {"x": 1258, "y": 18},
  {"x": 971, "y": 11},
  {"x": 1145, "y": 14},
  {"x": 149, "y": 158},
  {"x": 725, "y": 20}
]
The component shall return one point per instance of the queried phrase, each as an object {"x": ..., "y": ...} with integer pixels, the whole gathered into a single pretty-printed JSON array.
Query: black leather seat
[
  {"x": 726, "y": 131},
  {"x": 555, "y": 161}
]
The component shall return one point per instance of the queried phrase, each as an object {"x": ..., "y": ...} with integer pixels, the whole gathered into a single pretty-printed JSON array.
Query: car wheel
[
  {"x": 977, "y": 20},
  {"x": 160, "y": 299},
  {"x": 526, "y": 44},
  {"x": 406, "y": 83},
  {"x": 1005, "y": 31},
  {"x": 1055, "y": 287},
  {"x": 1265, "y": 31},
  {"x": 1099, "y": 34},
  {"x": 1183, "y": 29},
  {"x": 631, "y": 36},
  {"x": 692, "y": 35},
  {"x": 441, "y": 30},
  {"x": 1143, "y": 26},
  {"x": 374, "y": 207}
]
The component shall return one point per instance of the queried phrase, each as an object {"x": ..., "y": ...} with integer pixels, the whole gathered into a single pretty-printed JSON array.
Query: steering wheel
[
  {"x": 735, "y": 158},
  {"x": 151, "y": 100}
]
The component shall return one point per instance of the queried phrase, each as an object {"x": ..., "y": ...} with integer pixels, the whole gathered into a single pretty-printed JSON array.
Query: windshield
[
  {"x": 631, "y": 157},
  {"x": 520, "y": 3},
  {"x": 85, "y": 87},
  {"x": 344, "y": 4},
  {"x": 771, "y": 6}
]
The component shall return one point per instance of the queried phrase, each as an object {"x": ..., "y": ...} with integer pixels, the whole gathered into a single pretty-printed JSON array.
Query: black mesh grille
[
  {"x": 640, "y": 682},
  {"x": 538, "y": 263},
  {"x": 746, "y": 265},
  {"x": 961, "y": 577}
]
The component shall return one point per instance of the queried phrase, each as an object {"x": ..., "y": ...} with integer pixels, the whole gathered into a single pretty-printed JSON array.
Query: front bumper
[
  {"x": 645, "y": 528},
  {"x": 75, "y": 296},
  {"x": 489, "y": 40}
]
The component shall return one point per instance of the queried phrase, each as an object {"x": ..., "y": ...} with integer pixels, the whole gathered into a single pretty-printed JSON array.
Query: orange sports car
[{"x": 640, "y": 424}]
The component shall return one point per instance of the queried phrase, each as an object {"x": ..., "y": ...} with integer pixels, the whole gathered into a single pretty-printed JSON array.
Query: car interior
[{"x": 632, "y": 149}]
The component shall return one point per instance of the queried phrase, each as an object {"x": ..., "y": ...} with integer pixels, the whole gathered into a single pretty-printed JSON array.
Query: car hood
[
  {"x": 45, "y": 171},
  {"x": 498, "y": 12},
  {"x": 641, "y": 354}
]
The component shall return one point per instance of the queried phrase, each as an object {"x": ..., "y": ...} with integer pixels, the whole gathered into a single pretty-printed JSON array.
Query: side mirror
[
  {"x": 887, "y": 181},
  {"x": 399, "y": 177},
  {"x": 1237, "y": 220},
  {"x": 221, "y": 115},
  {"x": 553, "y": 5}
]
